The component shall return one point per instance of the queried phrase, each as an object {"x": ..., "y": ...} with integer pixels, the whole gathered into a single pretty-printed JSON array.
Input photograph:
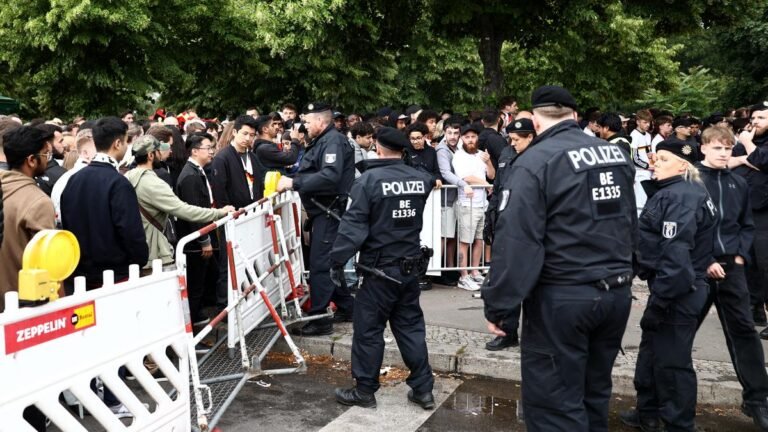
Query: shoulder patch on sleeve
[
  {"x": 330, "y": 158},
  {"x": 669, "y": 229}
]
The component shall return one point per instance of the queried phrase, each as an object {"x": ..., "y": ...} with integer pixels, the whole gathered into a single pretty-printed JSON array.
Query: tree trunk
[{"x": 489, "y": 49}]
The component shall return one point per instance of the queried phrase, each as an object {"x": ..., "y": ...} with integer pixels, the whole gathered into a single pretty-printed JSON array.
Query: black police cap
[
  {"x": 679, "y": 148},
  {"x": 546, "y": 96},
  {"x": 681, "y": 121},
  {"x": 522, "y": 125},
  {"x": 317, "y": 107},
  {"x": 338, "y": 115},
  {"x": 391, "y": 138},
  {"x": 760, "y": 106},
  {"x": 470, "y": 127}
]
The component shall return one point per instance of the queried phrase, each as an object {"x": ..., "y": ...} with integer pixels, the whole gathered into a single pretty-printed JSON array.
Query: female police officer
[
  {"x": 674, "y": 249},
  {"x": 520, "y": 133}
]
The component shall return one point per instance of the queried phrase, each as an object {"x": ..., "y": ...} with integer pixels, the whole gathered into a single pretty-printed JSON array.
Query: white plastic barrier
[{"x": 65, "y": 344}]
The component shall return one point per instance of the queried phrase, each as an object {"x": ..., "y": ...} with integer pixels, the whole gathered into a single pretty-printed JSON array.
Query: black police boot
[
  {"x": 501, "y": 342},
  {"x": 321, "y": 327},
  {"x": 342, "y": 316},
  {"x": 425, "y": 284},
  {"x": 353, "y": 397},
  {"x": 424, "y": 400},
  {"x": 758, "y": 413},
  {"x": 632, "y": 418},
  {"x": 758, "y": 314}
]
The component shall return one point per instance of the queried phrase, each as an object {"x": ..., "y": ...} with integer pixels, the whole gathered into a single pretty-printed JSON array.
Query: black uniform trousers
[
  {"x": 198, "y": 269},
  {"x": 758, "y": 270},
  {"x": 731, "y": 300},
  {"x": 571, "y": 335},
  {"x": 664, "y": 377},
  {"x": 322, "y": 290},
  {"x": 377, "y": 302}
]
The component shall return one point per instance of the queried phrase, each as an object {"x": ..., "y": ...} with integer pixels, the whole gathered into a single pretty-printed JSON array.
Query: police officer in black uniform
[
  {"x": 674, "y": 250},
  {"x": 323, "y": 181},
  {"x": 520, "y": 133},
  {"x": 383, "y": 223},
  {"x": 563, "y": 242}
]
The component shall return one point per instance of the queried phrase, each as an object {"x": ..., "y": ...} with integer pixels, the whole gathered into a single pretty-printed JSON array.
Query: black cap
[
  {"x": 384, "y": 112},
  {"x": 760, "y": 106},
  {"x": 521, "y": 125},
  {"x": 471, "y": 127},
  {"x": 681, "y": 122},
  {"x": 413, "y": 109},
  {"x": 679, "y": 148},
  {"x": 317, "y": 107},
  {"x": 338, "y": 115},
  {"x": 545, "y": 96},
  {"x": 391, "y": 138}
]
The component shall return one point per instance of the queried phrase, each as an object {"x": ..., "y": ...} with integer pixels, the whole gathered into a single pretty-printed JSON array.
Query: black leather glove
[
  {"x": 337, "y": 276},
  {"x": 652, "y": 317},
  {"x": 488, "y": 227}
]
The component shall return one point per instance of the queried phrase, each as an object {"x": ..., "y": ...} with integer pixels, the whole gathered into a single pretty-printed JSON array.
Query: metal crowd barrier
[
  {"x": 266, "y": 291},
  {"x": 446, "y": 255}
]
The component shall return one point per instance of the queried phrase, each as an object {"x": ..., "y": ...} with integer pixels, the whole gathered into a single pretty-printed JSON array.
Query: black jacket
[
  {"x": 191, "y": 188},
  {"x": 229, "y": 183},
  {"x": 492, "y": 142},
  {"x": 326, "y": 171},
  {"x": 384, "y": 219},
  {"x": 100, "y": 207},
  {"x": 675, "y": 237},
  {"x": 506, "y": 159},
  {"x": 730, "y": 194},
  {"x": 757, "y": 179},
  {"x": 272, "y": 158},
  {"x": 53, "y": 172},
  {"x": 568, "y": 220},
  {"x": 424, "y": 160}
]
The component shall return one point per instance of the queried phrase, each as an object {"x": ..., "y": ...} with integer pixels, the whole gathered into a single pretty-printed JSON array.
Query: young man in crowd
[
  {"x": 473, "y": 166},
  {"x": 663, "y": 130},
  {"x": 490, "y": 140},
  {"x": 54, "y": 170},
  {"x": 610, "y": 129},
  {"x": 26, "y": 208},
  {"x": 269, "y": 155},
  {"x": 445, "y": 153},
  {"x": 429, "y": 118},
  {"x": 86, "y": 151},
  {"x": 641, "y": 149}
]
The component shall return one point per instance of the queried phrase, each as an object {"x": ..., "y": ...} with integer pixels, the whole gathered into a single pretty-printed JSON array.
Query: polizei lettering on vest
[
  {"x": 40, "y": 329},
  {"x": 402, "y": 187},
  {"x": 589, "y": 157}
]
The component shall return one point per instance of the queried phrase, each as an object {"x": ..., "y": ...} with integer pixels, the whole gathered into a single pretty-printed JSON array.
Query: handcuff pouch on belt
[{"x": 416, "y": 264}]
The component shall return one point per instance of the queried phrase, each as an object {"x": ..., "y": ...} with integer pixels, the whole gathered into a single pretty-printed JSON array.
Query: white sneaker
[
  {"x": 466, "y": 283},
  {"x": 477, "y": 278},
  {"x": 120, "y": 411}
]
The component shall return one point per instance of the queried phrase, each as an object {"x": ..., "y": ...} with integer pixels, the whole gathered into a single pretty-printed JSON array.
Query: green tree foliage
[{"x": 696, "y": 91}]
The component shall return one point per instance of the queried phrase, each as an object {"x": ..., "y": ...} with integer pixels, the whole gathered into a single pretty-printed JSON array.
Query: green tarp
[{"x": 8, "y": 105}]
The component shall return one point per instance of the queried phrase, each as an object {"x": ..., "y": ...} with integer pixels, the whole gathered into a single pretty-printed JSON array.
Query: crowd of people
[{"x": 128, "y": 187}]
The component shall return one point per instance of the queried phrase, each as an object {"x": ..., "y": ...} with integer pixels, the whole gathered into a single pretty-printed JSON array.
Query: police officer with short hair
[
  {"x": 563, "y": 242},
  {"x": 674, "y": 250},
  {"x": 324, "y": 178},
  {"x": 383, "y": 222}
]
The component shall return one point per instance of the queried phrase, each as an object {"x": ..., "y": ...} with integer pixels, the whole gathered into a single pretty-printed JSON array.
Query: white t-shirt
[
  {"x": 657, "y": 139},
  {"x": 465, "y": 165},
  {"x": 588, "y": 131}
]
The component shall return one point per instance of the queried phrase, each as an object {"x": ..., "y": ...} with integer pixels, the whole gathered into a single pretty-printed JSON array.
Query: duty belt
[{"x": 613, "y": 282}]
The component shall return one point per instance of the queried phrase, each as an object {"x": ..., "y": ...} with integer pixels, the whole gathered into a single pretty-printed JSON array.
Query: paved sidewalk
[{"x": 456, "y": 337}]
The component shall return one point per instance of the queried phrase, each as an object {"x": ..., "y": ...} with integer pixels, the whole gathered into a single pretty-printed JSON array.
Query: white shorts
[
  {"x": 447, "y": 222},
  {"x": 471, "y": 222}
]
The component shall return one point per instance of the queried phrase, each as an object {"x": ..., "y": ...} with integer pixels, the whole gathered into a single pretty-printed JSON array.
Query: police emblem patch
[
  {"x": 687, "y": 150},
  {"x": 669, "y": 229},
  {"x": 518, "y": 125},
  {"x": 504, "y": 199},
  {"x": 330, "y": 158}
]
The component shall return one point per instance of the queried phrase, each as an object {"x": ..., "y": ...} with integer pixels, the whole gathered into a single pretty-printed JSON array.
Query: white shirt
[
  {"x": 58, "y": 188},
  {"x": 465, "y": 165},
  {"x": 641, "y": 146},
  {"x": 656, "y": 140},
  {"x": 588, "y": 131}
]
